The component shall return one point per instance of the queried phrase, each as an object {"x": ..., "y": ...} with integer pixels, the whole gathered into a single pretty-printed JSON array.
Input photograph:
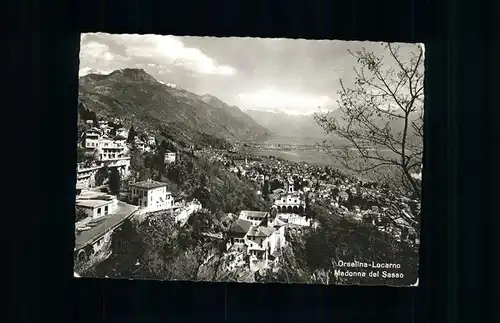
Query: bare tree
[{"x": 381, "y": 118}]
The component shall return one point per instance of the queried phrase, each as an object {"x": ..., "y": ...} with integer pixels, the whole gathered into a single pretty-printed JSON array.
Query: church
[{"x": 288, "y": 200}]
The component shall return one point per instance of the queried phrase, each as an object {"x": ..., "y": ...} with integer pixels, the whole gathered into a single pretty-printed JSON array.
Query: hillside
[{"x": 137, "y": 98}]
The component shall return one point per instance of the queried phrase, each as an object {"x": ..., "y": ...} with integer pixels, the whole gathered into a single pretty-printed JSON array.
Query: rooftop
[
  {"x": 95, "y": 195},
  {"x": 92, "y": 203},
  {"x": 149, "y": 184},
  {"x": 279, "y": 191},
  {"x": 260, "y": 231},
  {"x": 104, "y": 224},
  {"x": 240, "y": 226},
  {"x": 254, "y": 214}
]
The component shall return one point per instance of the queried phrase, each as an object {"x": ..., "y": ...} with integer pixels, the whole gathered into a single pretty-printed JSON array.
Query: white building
[
  {"x": 86, "y": 175},
  {"x": 169, "y": 157},
  {"x": 151, "y": 141},
  {"x": 92, "y": 137},
  {"x": 255, "y": 241},
  {"x": 288, "y": 200},
  {"x": 152, "y": 195},
  {"x": 103, "y": 124},
  {"x": 275, "y": 242},
  {"x": 121, "y": 140},
  {"x": 255, "y": 217},
  {"x": 109, "y": 149},
  {"x": 140, "y": 145},
  {"x": 122, "y": 132},
  {"x": 299, "y": 220},
  {"x": 122, "y": 164},
  {"x": 96, "y": 208},
  {"x": 185, "y": 213}
]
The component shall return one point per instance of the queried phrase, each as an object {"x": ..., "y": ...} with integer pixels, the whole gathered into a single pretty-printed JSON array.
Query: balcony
[{"x": 80, "y": 168}]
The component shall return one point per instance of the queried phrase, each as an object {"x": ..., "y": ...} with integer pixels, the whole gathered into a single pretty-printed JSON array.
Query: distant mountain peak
[
  {"x": 152, "y": 104},
  {"x": 134, "y": 74},
  {"x": 87, "y": 70}
]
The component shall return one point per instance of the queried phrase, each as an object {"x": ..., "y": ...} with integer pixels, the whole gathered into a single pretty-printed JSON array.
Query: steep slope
[
  {"x": 244, "y": 119},
  {"x": 137, "y": 98}
]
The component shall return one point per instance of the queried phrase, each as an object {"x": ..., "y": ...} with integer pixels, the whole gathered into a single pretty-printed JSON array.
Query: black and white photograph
[{"x": 249, "y": 160}]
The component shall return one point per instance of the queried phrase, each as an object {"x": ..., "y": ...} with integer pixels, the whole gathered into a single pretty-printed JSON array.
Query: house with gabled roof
[
  {"x": 255, "y": 217},
  {"x": 238, "y": 231},
  {"x": 255, "y": 240}
]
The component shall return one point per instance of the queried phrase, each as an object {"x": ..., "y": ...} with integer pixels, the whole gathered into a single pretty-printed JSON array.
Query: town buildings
[
  {"x": 96, "y": 204},
  {"x": 259, "y": 237},
  {"x": 238, "y": 231},
  {"x": 85, "y": 175},
  {"x": 152, "y": 195},
  {"x": 91, "y": 139},
  {"x": 288, "y": 200},
  {"x": 254, "y": 241},
  {"x": 169, "y": 157},
  {"x": 254, "y": 217},
  {"x": 122, "y": 132},
  {"x": 110, "y": 151},
  {"x": 95, "y": 208}
]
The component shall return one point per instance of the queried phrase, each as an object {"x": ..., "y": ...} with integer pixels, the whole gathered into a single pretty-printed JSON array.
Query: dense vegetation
[
  {"x": 160, "y": 249},
  {"x": 194, "y": 177},
  {"x": 313, "y": 255}
]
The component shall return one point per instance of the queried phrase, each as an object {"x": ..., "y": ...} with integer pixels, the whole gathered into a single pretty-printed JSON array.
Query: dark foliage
[{"x": 114, "y": 181}]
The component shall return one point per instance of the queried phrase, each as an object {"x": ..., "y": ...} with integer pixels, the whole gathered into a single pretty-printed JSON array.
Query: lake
[
  {"x": 316, "y": 157},
  {"x": 311, "y": 156}
]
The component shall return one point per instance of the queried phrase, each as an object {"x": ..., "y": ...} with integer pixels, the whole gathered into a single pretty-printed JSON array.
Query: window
[
  {"x": 106, "y": 209},
  {"x": 99, "y": 211}
]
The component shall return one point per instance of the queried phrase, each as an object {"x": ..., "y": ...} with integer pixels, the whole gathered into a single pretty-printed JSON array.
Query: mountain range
[
  {"x": 139, "y": 99},
  {"x": 304, "y": 128},
  {"x": 288, "y": 126}
]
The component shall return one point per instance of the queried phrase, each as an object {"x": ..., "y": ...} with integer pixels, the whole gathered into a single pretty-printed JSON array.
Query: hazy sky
[{"x": 290, "y": 75}]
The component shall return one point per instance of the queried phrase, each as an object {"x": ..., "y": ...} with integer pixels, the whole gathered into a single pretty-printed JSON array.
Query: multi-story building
[
  {"x": 288, "y": 200},
  {"x": 92, "y": 137},
  {"x": 254, "y": 241},
  {"x": 255, "y": 217},
  {"x": 151, "y": 140},
  {"x": 236, "y": 234},
  {"x": 122, "y": 132},
  {"x": 85, "y": 174},
  {"x": 152, "y": 195},
  {"x": 109, "y": 149},
  {"x": 169, "y": 157},
  {"x": 140, "y": 145}
]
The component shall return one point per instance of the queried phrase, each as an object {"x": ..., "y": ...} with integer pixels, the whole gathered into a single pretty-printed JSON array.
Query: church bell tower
[{"x": 289, "y": 186}]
